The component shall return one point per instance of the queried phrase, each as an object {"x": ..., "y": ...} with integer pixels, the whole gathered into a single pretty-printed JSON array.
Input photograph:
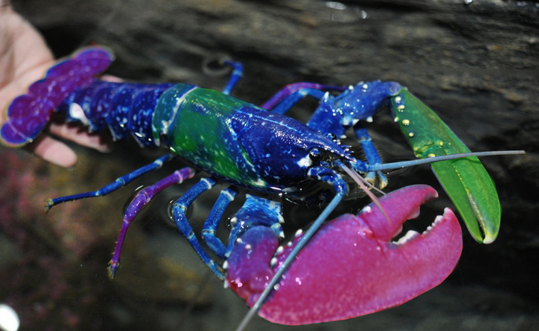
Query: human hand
[{"x": 24, "y": 59}]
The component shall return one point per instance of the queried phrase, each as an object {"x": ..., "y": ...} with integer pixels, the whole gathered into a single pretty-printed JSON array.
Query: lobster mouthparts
[{"x": 350, "y": 267}]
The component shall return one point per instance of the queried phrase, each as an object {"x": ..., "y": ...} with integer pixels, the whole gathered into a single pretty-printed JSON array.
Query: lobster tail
[{"x": 29, "y": 113}]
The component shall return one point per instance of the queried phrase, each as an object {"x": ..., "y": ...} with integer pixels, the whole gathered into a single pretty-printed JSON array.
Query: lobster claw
[{"x": 351, "y": 267}]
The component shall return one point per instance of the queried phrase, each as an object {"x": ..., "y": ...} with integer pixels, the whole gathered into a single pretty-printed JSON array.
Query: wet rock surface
[{"x": 475, "y": 64}]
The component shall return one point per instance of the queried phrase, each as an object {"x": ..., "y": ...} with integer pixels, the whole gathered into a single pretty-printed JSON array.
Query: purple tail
[{"x": 29, "y": 113}]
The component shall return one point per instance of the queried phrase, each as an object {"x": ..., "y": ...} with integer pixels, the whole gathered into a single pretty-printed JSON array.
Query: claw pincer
[{"x": 351, "y": 267}]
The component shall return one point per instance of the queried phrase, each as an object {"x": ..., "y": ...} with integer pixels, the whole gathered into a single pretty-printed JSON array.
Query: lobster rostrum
[{"x": 260, "y": 150}]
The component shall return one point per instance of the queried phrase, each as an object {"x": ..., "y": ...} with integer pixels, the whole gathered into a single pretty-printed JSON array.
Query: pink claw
[{"x": 351, "y": 267}]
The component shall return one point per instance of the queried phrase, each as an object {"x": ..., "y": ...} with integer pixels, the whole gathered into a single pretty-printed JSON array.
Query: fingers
[
  {"x": 81, "y": 137},
  {"x": 110, "y": 78},
  {"x": 53, "y": 151},
  {"x": 56, "y": 152}
]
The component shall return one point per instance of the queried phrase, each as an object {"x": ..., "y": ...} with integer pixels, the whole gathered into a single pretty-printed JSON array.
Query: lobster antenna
[
  {"x": 361, "y": 182},
  {"x": 290, "y": 259},
  {"x": 366, "y": 182},
  {"x": 403, "y": 164}
]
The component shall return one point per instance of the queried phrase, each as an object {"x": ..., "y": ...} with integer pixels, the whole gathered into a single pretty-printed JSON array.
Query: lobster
[{"x": 262, "y": 151}]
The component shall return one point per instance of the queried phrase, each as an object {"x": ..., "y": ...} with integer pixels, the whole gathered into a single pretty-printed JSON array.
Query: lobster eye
[
  {"x": 315, "y": 155},
  {"x": 331, "y": 136}
]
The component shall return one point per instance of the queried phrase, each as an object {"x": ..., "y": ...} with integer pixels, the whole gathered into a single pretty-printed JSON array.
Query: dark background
[{"x": 475, "y": 64}]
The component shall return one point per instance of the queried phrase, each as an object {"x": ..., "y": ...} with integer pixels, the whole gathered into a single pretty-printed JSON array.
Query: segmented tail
[{"x": 29, "y": 113}]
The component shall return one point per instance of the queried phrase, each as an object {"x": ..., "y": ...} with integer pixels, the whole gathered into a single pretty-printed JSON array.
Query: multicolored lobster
[{"x": 265, "y": 151}]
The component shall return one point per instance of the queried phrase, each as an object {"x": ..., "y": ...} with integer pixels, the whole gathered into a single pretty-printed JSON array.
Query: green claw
[{"x": 465, "y": 180}]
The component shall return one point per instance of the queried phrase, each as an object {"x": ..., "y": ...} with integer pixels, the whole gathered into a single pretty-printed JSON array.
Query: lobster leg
[
  {"x": 179, "y": 208},
  {"x": 140, "y": 200},
  {"x": 255, "y": 210},
  {"x": 373, "y": 158},
  {"x": 237, "y": 74},
  {"x": 295, "y": 97},
  {"x": 290, "y": 89},
  {"x": 214, "y": 219},
  {"x": 117, "y": 184},
  {"x": 351, "y": 267}
]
